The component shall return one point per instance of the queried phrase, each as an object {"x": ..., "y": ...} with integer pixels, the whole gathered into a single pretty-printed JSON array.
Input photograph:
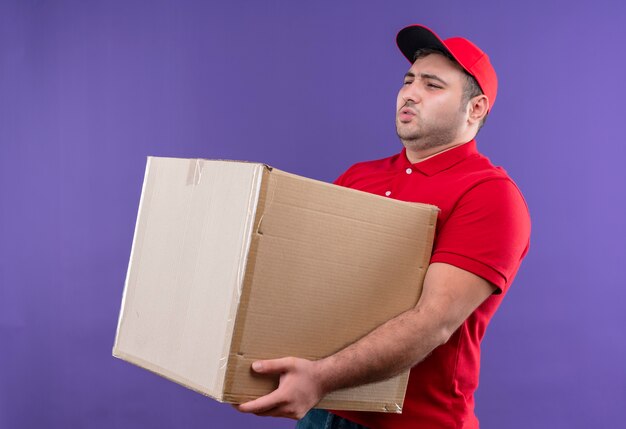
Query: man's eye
[
  {"x": 407, "y": 82},
  {"x": 432, "y": 85}
]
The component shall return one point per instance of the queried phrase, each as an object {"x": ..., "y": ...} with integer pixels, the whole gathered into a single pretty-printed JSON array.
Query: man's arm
[{"x": 449, "y": 296}]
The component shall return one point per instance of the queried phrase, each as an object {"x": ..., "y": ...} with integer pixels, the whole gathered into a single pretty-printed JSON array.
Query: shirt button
[
  {"x": 388, "y": 193},
  {"x": 409, "y": 171}
]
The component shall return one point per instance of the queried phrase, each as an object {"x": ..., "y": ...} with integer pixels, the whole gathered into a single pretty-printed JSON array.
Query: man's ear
[{"x": 478, "y": 109}]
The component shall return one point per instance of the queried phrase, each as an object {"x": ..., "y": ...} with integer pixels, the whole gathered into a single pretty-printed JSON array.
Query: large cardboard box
[{"x": 233, "y": 262}]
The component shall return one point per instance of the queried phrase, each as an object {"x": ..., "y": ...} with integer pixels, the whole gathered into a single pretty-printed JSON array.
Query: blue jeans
[{"x": 322, "y": 419}]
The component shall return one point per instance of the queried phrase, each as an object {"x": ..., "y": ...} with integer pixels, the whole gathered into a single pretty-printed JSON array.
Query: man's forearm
[
  {"x": 391, "y": 348},
  {"x": 449, "y": 296}
]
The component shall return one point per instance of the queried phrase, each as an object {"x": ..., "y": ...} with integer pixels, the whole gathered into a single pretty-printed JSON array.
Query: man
[{"x": 482, "y": 235}]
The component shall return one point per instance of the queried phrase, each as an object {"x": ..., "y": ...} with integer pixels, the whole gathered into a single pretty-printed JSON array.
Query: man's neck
[{"x": 418, "y": 155}]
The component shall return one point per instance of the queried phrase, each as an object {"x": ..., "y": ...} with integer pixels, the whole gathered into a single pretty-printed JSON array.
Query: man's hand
[{"x": 299, "y": 390}]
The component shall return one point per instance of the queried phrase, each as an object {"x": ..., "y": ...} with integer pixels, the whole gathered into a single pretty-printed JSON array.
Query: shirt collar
[{"x": 441, "y": 161}]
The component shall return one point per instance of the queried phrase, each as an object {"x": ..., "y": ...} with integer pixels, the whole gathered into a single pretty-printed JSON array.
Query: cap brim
[{"x": 415, "y": 37}]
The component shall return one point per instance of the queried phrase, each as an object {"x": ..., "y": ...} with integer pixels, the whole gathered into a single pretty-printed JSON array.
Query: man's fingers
[
  {"x": 278, "y": 412},
  {"x": 262, "y": 404},
  {"x": 297, "y": 391},
  {"x": 272, "y": 366}
]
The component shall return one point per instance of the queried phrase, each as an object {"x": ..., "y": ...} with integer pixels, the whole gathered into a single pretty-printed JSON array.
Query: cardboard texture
[{"x": 233, "y": 262}]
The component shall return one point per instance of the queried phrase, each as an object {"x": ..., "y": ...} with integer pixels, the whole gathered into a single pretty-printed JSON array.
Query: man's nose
[{"x": 410, "y": 93}]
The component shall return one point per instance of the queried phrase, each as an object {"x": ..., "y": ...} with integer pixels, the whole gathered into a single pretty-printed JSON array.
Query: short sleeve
[{"x": 487, "y": 233}]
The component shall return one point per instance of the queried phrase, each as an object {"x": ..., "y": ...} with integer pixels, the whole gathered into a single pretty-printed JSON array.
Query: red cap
[{"x": 468, "y": 55}]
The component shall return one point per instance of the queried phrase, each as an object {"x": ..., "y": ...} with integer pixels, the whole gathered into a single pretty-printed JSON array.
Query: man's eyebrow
[
  {"x": 432, "y": 76},
  {"x": 426, "y": 76}
]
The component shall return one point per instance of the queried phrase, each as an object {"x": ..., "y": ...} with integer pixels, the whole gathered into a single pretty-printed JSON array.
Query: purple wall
[{"x": 89, "y": 89}]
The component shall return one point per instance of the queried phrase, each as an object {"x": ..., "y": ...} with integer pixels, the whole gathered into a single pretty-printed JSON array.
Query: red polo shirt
[{"x": 483, "y": 227}]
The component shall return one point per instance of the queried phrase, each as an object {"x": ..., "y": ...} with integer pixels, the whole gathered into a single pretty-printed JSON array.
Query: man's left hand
[{"x": 299, "y": 390}]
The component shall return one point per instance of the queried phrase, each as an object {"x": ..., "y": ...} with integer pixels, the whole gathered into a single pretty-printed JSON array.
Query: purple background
[{"x": 89, "y": 89}]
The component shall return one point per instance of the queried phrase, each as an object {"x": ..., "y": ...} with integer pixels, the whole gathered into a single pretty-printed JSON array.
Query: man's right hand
[{"x": 299, "y": 389}]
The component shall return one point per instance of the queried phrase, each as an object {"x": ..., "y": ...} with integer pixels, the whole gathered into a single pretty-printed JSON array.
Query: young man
[{"x": 482, "y": 235}]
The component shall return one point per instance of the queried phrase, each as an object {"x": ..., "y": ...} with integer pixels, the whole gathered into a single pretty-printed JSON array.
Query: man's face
[{"x": 428, "y": 108}]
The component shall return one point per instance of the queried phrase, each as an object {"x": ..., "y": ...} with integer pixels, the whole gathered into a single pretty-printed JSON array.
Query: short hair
[{"x": 470, "y": 88}]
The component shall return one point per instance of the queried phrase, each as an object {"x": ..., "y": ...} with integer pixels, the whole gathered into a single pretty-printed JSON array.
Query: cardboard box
[{"x": 233, "y": 262}]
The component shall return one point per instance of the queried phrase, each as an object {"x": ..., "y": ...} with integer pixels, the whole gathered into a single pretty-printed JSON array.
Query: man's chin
[
  {"x": 409, "y": 136},
  {"x": 411, "y": 143}
]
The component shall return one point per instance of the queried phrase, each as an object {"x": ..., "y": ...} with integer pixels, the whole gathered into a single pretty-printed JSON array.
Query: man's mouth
[{"x": 406, "y": 114}]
